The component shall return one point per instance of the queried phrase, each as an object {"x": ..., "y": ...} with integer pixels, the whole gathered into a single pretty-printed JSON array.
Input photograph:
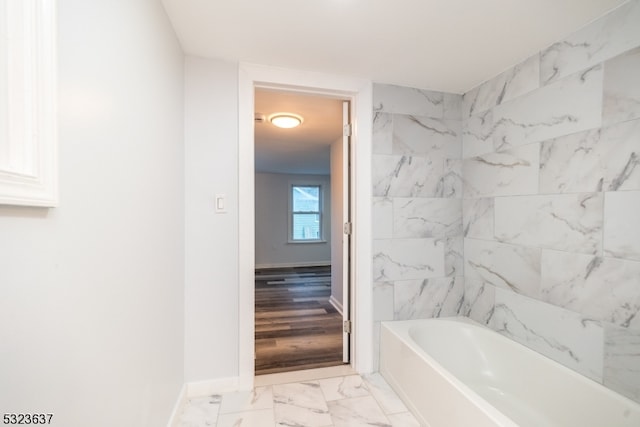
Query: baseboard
[
  {"x": 336, "y": 304},
  {"x": 209, "y": 387},
  {"x": 294, "y": 264},
  {"x": 205, "y": 388},
  {"x": 174, "y": 421}
]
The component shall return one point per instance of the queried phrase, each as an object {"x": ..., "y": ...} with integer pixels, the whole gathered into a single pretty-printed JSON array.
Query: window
[
  {"x": 306, "y": 213},
  {"x": 28, "y": 163}
]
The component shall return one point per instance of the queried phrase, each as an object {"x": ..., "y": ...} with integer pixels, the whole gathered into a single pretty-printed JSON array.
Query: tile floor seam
[{"x": 342, "y": 411}]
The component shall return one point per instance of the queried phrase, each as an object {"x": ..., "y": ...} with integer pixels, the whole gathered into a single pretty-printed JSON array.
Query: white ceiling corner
[
  {"x": 442, "y": 45},
  {"x": 449, "y": 46}
]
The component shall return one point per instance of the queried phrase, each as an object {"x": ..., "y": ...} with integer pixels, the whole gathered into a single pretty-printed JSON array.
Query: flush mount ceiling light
[{"x": 285, "y": 120}]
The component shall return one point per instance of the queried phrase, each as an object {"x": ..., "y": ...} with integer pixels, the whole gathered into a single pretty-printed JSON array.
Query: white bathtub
[{"x": 454, "y": 372}]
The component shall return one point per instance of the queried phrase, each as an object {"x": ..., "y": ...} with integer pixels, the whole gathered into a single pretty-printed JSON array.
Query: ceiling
[
  {"x": 444, "y": 45},
  {"x": 301, "y": 150}
]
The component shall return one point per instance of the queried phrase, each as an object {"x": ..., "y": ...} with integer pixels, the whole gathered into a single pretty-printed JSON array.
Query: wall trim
[
  {"x": 200, "y": 389},
  {"x": 213, "y": 386},
  {"x": 29, "y": 177},
  {"x": 336, "y": 304},
  {"x": 360, "y": 92}
]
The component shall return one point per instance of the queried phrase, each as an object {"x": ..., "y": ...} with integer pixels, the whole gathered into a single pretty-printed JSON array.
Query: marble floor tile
[
  {"x": 201, "y": 411},
  {"x": 357, "y": 412},
  {"x": 302, "y": 376},
  {"x": 261, "y": 418},
  {"x": 258, "y": 398},
  {"x": 384, "y": 395},
  {"x": 404, "y": 419},
  {"x": 346, "y": 399},
  {"x": 343, "y": 387},
  {"x": 300, "y": 404}
]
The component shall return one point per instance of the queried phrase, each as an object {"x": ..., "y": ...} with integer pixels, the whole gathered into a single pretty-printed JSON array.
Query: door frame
[
  {"x": 360, "y": 93},
  {"x": 346, "y": 247}
]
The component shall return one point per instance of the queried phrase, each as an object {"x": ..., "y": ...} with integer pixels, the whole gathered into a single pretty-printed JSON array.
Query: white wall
[
  {"x": 91, "y": 294},
  {"x": 211, "y": 243},
  {"x": 337, "y": 207},
  {"x": 272, "y": 211},
  {"x": 4, "y": 89}
]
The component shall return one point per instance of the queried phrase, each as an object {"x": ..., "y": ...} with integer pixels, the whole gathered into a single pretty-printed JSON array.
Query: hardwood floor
[{"x": 296, "y": 326}]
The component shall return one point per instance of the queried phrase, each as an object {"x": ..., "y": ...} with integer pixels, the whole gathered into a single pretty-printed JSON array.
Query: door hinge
[
  {"x": 346, "y": 130},
  {"x": 347, "y": 228},
  {"x": 347, "y": 326}
]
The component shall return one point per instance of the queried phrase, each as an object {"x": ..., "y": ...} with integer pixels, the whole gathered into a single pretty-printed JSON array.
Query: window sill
[{"x": 295, "y": 242}]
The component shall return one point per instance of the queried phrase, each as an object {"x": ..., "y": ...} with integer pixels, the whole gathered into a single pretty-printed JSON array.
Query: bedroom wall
[{"x": 273, "y": 248}]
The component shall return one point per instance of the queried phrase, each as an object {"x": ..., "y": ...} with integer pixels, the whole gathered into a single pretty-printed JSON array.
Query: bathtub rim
[{"x": 400, "y": 328}]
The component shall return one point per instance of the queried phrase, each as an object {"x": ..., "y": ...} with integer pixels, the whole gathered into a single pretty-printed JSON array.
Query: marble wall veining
[
  {"x": 551, "y": 201},
  {"x": 417, "y": 205},
  {"x": 517, "y": 204},
  {"x": 605, "y": 38}
]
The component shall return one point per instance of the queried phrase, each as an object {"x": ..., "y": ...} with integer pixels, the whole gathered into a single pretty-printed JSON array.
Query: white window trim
[
  {"x": 30, "y": 173},
  {"x": 292, "y": 184}
]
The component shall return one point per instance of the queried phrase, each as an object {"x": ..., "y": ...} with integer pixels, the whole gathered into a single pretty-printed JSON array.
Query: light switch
[{"x": 221, "y": 203}]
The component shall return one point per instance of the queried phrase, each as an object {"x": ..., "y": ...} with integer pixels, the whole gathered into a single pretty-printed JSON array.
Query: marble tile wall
[
  {"x": 551, "y": 203},
  {"x": 417, "y": 205}
]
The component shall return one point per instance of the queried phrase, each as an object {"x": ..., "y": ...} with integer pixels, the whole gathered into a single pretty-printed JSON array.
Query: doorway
[
  {"x": 360, "y": 92},
  {"x": 301, "y": 245}
]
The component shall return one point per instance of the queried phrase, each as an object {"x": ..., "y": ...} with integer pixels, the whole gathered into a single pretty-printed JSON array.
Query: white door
[{"x": 346, "y": 235}]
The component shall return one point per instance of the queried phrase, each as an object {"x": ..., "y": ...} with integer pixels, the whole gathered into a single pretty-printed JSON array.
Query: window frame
[
  {"x": 320, "y": 212},
  {"x": 29, "y": 175}
]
